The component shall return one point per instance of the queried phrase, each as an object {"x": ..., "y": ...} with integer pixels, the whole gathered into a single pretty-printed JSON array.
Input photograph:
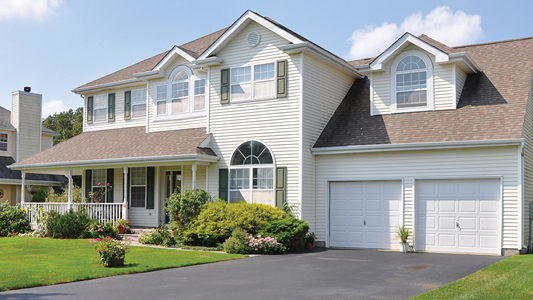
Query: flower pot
[
  {"x": 308, "y": 245},
  {"x": 116, "y": 262},
  {"x": 121, "y": 229},
  {"x": 404, "y": 247}
]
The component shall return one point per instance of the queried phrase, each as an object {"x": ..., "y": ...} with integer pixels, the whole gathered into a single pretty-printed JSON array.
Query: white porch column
[
  {"x": 69, "y": 189},
  {"x": 207, "y": 178},
  {"x": 194, "y": 168},
  {"x": 23, "y": 189},
  {"x": 125, "y": 204},
  {"x": 156, "y": 195}
]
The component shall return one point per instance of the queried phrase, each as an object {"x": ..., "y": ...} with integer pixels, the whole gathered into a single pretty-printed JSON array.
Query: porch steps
[{"x": 133, "y": 234}]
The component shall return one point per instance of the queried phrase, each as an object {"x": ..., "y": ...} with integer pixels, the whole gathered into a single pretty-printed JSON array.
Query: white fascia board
[
  {"x": 208, "y": 62},
  {"x": 30, "y": 182},
  {"x": 321, "y": 54},
  {"x": 119, "y": 162},
  {"x": 149, "y": 75},
  {"x": 176, "y": 51},
  {"x": 415, "y": 146},
  {"x": 378, "y": 63},
  {"x": 237, "y": 27},
  {"x": 467, "y": 60},
  {"x": 96, "y": 88},
  {"x": 7, "y": 129}
]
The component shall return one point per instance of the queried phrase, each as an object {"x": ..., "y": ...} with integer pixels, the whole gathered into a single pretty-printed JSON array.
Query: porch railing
[{"x": 104, "y": 212}]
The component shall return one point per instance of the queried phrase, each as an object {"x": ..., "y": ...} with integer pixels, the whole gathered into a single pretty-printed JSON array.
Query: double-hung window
[
  {"x": 180, "y": 92},
  {"x": 3, "y": 141},
  {"x": 161, "y": 100},
  {"x": 138, "y": 103},
  {"x": 100, "y": 108},
  {"x": 99, "y": 186},
  {"x": 138, "y": 187},
  {"x": 199, "y": 95},
  {"x": 253, "y": 82}
]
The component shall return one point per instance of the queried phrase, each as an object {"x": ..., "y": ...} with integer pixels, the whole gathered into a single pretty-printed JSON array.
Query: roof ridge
[
  {"x": 495, "y": 42},
  {"x": 189, "y": 42}
]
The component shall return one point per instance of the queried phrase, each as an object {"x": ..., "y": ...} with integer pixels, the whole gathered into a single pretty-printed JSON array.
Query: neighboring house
[
  {"x": 434, "y": 137},
  {"x": 22, "y": 135}
]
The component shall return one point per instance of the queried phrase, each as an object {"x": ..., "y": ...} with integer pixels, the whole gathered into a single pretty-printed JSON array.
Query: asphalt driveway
[{"x": 320, "y": 274}]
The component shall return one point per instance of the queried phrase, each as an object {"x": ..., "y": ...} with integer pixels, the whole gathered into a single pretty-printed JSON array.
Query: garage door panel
[
  {"x": 446, "y": 189},
  {"x": 467, "y": 241},
  {"x": 468, "y": 206},
  {"x": 446, "y": 206},
  {"x": 446, "y": 240},
  {"x": 488, "y": 206},
  {"x": 488, "y": 241},
  {"x": 446, "y": 223},
  {"x": 468, "y": 223},
  {"x": 488, "y": 224}
]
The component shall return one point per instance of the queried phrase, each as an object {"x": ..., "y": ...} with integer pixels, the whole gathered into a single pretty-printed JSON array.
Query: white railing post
[
  {"x": 125, "y": 204},
  {"x": 69, "y": 190},
  {"x": 23, "y": 189}
]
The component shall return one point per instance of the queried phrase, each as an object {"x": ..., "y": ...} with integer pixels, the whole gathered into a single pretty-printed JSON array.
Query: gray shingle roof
[
  {"x": 492, "y": 105},
  {"x": 6, "y": 173}
]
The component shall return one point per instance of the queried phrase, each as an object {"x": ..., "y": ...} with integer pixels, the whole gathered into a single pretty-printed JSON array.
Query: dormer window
[{"x": 412, "y": 87}]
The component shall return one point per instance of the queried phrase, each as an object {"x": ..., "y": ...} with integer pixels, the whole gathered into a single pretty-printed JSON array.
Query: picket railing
[{"x": 104, "y": 212}]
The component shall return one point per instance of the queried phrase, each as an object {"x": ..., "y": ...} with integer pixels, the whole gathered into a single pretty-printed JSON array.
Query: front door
[{"x": 173, "y": 183}]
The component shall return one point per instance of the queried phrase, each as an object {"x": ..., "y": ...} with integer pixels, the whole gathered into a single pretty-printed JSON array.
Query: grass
[
  {"x": 29, "y": 262},
  {"x": 511, "y": 278}
]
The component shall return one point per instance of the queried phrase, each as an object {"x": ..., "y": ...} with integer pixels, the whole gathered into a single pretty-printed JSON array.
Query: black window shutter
[
  {"x": 90, "y": 110},
  {"x": 150, "y": 172},
  {"x": 110, "y": 180},
  {"x": 223, "y": 184},
  {"x": 88, "y": 185},
  {"x": 224, "y": 86},
  {"x": 281, "y": 186},
  {"x": 282, "y": 79},
  {"x": 127, "y": 105},
  {"x": 128, "y": 186},
  {"x": 111, "y": 107}
]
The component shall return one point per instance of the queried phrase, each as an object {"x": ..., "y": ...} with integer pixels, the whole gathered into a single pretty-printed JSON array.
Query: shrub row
[{"x": 12, "y": 219}]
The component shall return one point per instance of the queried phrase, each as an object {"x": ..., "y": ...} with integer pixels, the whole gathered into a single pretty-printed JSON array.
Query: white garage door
[
  {"x": 458, "y": 215},
  {"x": 364, "y": 214}
]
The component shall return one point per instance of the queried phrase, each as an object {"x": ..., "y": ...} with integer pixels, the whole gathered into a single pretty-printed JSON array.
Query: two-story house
[{"x": 424, "y": 135}]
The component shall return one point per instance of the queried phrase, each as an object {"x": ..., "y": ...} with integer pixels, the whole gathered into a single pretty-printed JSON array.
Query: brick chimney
[{"x": 26, "y": 109}]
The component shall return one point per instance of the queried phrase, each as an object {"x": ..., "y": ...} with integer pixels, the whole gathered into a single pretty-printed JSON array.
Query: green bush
[
  {"x": 97, "y": 229},
  {"x": 184, "y": 207},
  {"x": 12, "y": 219},
  {"x": 160, "y": 236},
  {"x": 289, "y": 231},
  {"x": 72, "y": 225},
  {"x": 54, "y": 196},
  {"x": 242, "y": 242},
  {"x": 217, "y": 220},
  {"x": 235, "y": 243},
  {"x": 40, "y": 196}
]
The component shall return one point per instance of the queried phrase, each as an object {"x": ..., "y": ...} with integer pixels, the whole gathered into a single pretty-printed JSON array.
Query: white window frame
[
  {"x": 250, "y": 174},
  {"x": 157, "y": 100},
  {"x": 430, "y": 105},
  {"x": 253, "y": 81},
  {"x": 102, "y": 185},
  {"x": 137, "y": 185},
  {"x": 106, "y": 96},
  {"x": 195, "y": 94},
  {"x": 143, "y": 92},
  {"x": 6, "y": 142}
]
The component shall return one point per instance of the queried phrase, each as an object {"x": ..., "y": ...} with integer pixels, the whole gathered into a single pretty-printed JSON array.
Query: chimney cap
[{"x": 27, "y": 89}]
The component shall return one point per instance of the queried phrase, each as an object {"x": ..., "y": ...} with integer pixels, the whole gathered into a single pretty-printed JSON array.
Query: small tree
[
  {"x": 40, "y": 196},
  {"x": 184, "y": 207}
]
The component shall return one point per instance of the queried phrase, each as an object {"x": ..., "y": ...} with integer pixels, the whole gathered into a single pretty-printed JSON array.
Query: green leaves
[{"x": 68, "y": 124}]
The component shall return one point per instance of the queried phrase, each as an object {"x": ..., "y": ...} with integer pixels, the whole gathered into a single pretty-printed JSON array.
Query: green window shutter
[
  {"x": 127, "y": 105},
  {"x": 110, "y": 179},
  {"x": 90, "y": 110},
  {"x": 88, "y": 184},
  {"x": 111, "y": 107},
  {"x": 281, "y": 186},
  {"x": 223, "y": 184},
  {"x": 150, "y": 172},
  {"x": 224, "y": 86},
  {"x": 282, "y": 79}
]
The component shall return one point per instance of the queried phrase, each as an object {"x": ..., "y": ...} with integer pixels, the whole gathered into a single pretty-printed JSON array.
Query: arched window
[
  {"x": 252, "y": 174},
  {"x": 180, "y": 92},
  {"x": 411, "y": 82},
  {"x": 184, "y": 92}
]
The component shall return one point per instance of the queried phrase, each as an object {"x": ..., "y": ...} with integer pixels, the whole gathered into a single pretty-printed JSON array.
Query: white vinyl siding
[
  {"x": 28, "y": 125},
  {"x": 324, "y": 88},
  {"x": 460, "y": 79},
  {"x": 443, "y": 86},
  {"x": 527, "y": 134},
  {"x": 495, "y": 162},
  {"x": 47, "y": 141}
]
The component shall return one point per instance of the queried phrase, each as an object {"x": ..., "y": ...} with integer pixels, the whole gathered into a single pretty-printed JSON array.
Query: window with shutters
[
  {"x": 99, "y": 186},
  {"x": 100, "y": 108},
  {"x": 138, "y": 103},
  {"x": 253, "y": 82},
  {"x": 251, "y": 177},
  {"x": 138, "y": 187}
]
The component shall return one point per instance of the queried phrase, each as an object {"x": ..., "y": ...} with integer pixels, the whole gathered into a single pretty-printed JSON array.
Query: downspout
[{"x": 521, "y": 194}]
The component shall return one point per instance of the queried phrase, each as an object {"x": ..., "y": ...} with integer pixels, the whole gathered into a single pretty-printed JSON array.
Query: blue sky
[{"x": 55, "y": 46}]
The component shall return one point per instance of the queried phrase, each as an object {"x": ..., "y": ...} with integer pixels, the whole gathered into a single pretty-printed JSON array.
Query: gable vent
[{"x": 253, "y": 39}]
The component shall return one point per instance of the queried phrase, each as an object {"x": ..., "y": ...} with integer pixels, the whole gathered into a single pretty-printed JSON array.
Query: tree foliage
[{"x": 68, "y": 124}]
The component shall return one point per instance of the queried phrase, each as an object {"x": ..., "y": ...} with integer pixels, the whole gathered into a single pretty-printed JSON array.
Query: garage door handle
[
  {"x": 364, "y": 222},
  {"x": 457, "y": 224}
]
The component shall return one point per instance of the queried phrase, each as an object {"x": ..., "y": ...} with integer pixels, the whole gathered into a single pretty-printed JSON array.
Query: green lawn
[
  {"x": 27, "y": 262},
  {"x": 511, "y": 278}
]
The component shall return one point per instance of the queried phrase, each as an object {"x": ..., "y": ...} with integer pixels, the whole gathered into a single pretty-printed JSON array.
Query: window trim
[
  {"x": 252, "y": 81},
  {"x": 106, "y": 108},
  {"x": 6, "y": 142},
  {"x": 145, "y": 188},
  {"x": 145, "y": 103},
  {"x": 430, "y": 105}
]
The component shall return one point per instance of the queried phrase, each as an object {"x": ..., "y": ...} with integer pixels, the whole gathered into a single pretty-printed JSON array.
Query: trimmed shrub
[
  {"x": 97, "y": 229},
  {"x": 40, "y": 196},
  {"x": 242, "y": 242},
  {"x": 184, "y": 207},
  {"x": 13, "y": 219},
  {"x": 289, "y": 231},
  {"x": 217, "y": 220},
  {"x": 72, "y": 225},
  {"x": 235, "y": 243},
  {"x": 160, "y": 236}
]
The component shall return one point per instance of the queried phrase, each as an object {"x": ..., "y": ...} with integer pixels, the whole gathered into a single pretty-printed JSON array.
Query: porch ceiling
[{"x": 123, "y": 147}]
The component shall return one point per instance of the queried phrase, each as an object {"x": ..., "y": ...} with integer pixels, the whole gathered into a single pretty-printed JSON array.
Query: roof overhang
[
  {"x": 169, "y": 58},
  {"x": 239, "y": 25},
  {"x": 31, "y": 182},
  {"x": 187, "y": 159},
  {"x": 319, "y": 53},
  {"x": 112, "y": 85},
  {"x": 415, "y": 146}
]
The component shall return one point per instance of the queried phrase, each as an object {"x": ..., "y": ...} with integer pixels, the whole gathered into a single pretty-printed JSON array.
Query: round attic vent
[{"x": 253, "y": 39}]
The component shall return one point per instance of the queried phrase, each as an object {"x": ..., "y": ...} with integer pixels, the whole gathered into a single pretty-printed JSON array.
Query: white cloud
[
  {"x": 54, "y": 106},
  {"x": 27, "y": 9},
  {"x": 440, "y": 24}
]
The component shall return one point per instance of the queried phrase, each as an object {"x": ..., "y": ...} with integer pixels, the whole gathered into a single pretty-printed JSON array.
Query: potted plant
[
  {"x": 112, "y": 252},
  {"x": 403, "y": 233},
  {"x": 123, "y": 225},
  {"x": 310, "y": 240}
]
